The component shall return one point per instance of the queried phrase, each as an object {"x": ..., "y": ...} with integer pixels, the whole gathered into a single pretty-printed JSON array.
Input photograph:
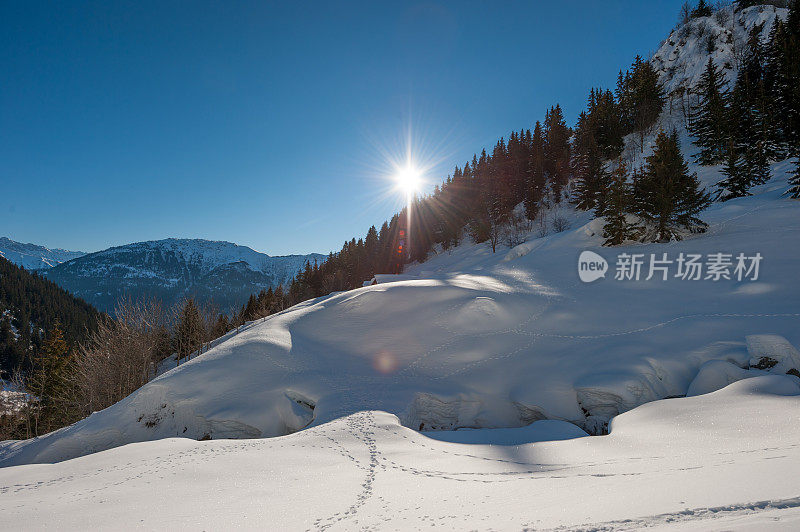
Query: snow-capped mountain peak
[
  {"x": 33, "y": 256},
  {"x": 218, "y": 271}
]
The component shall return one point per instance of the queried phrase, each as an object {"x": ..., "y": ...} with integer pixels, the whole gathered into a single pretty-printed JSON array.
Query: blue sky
[{"x": 274, "y": 124}]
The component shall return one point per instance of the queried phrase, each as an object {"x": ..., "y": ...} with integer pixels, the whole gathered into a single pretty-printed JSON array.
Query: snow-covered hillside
[
  {"x": 696, "y": 382},
  {"x": 34, "y": 257},
  {"x": 722, "y": 37},
  {"x": 223, "y": 272},
  {"x": 477, "y": 340}
]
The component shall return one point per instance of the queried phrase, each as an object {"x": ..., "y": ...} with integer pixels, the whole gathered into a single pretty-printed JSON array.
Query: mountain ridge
[
  {"x": 212, "y": 271},
  {"x": 34, "y": 256}
]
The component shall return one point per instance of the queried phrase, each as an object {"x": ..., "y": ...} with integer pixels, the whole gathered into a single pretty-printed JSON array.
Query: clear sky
[{"x": 273, "y": 124}]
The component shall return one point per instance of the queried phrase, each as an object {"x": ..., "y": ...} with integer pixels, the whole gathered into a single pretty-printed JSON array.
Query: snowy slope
[
  {"x": 682, "y": 57},
  {"x": 473, "y": 340},
  {"x": 224, "y": 272},
  {"x": 728, "y": 460},
  {"x": 34, "y": 257}
]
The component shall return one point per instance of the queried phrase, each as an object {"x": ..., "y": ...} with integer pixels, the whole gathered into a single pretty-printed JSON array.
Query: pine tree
[
  {"x": 794, "y": 182},
  {"x": 702, "y": 10},
  {"x": 648, "y": 95},
  {"x": 751, "y": 116},
  {"x": 710, "y": 116},
  {"x": 48, "y": 380},
  {"x": 737, "y": 181},
  {"x": 189, "y": 332},
  {"x": 791, "y": 65},
  {"x": 666, "y": 196},
  {"x": 588, "y": 168},
  {"x": 535, "y": 180},
  {"x": 556, "y": 150},
  {"x": 777, "y": 82},
  {"x": 619, "y": 199},
  {"x": 744, "y": 4}
]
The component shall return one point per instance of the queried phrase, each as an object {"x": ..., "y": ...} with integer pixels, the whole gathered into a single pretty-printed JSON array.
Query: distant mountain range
[
  {"x": 170, "y": 269},
  {"x": 34, "y": 257}
]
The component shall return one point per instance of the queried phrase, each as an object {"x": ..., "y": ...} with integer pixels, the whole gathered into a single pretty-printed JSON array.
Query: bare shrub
[
  {"x": 541, "y": 226},
  {"x": 685, "y": 14},
  {"x": 683, "y": 33},
  {"x": 722, "y": 16},
  {"x": 121, "y": 356},
  {"x": 515, "y": 231},
  {"x": 560, "y": 223},
  {"x": 702, "y": 29}
]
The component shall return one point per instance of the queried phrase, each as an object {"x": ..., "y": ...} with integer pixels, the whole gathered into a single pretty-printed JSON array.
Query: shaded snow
[{"x": 730, "y": 459}]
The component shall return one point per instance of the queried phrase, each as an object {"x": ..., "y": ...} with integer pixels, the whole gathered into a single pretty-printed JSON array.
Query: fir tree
[
  {"x": 794, "y": 182},
  {"x": 535, "y": 180},
  {"x": 556, "y": 150},
  {"x": 710, "y": 117},
  {"x": 702, "y": 10},
  {"x": 648, "y": 95},
  {"x": 49, "y": 380},
  {"x": 737, "y": 181},
  {"x": 666, "y": 196},
  {"x": 778, "y": 85},
  {"x": 750, "y": 112},
  {"x": 619, "y": 198},
  {"x": 588, "y": 168},
  {"x": 791, "y": 61},
  {"x": 189, "y": 332},
  {"x": 744, "y": 4}
]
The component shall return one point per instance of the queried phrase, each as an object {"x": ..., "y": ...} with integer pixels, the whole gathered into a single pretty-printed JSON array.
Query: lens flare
[{"x": 385, "y": 362}]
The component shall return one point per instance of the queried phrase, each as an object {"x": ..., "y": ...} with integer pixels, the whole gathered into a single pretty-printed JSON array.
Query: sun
[{"x": 408, "y": 179}]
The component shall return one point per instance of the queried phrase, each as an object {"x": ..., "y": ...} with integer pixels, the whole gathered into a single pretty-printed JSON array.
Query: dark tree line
[{"x": 31, "y": 305}]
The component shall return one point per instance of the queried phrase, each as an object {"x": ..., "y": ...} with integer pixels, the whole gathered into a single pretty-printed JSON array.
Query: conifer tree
[
  {"x": 702, "y": 10},
  {"x": 751, "y": 113},
  {"x": 535, "y": 180},
  {"x": 778, "y": 85},
  {"x": 710, "y": 117},
  {"x": 619, "y": 201},
  {"x": 794, "y": 182},
  {"x": 791, "y": 87},
  {"x": 666, "y": 196},
  {"x": 782, "y": 72},
  {"x": 588, "y": 168},
  {"x": 648, "y": 95},
  {"x": 48, "y": 379},
  {"x": 189, "y": 332},
  {"x": 556, "y": 150},
  {"x": 737, "y": 181},
  {"x": 744, "y": 4}
]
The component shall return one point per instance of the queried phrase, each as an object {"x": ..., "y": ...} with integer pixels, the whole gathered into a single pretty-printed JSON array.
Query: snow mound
[
  {"x": 717, "y": 374},
  {"x": 773, "y": 352}
]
